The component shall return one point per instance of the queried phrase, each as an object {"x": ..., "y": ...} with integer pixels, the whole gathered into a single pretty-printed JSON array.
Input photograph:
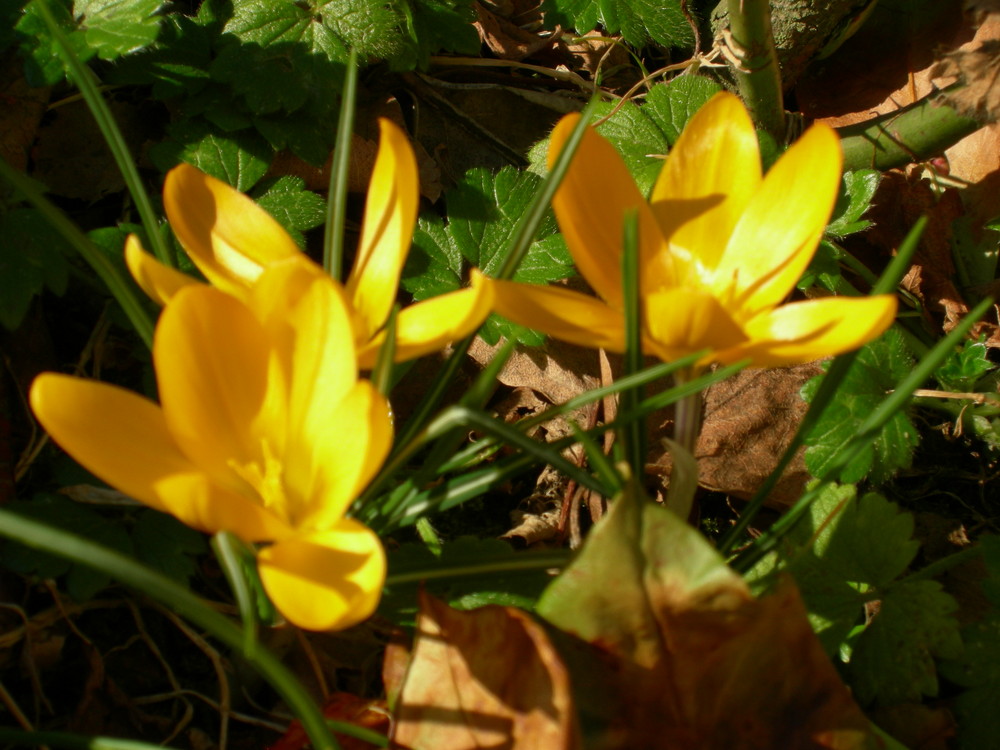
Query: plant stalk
[
  {"x": 754, "y": 64},
  {"x": 912, "y": 134}
]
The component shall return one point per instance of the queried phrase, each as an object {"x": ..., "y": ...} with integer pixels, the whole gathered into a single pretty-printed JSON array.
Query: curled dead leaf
[
  {"x": 488, "y": 678},
  {"x": 978, "y": 70}
]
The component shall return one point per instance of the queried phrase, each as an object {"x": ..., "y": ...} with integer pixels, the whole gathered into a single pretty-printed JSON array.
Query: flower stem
[
  {"x": 336, "y": 199},
  {"x": 755, "y": 64},
  {"x": 687, "y": 413},
  {"x": 922, "y": 130}
]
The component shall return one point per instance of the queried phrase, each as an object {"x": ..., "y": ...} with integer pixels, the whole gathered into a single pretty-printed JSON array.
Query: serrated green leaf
[
  {"x": 279, "y": 55},
  {"x": 824, "y": 269},
  {"x": 639, "y": 21},
  {"x": 964, "y": 367},
  {"x": 240, "y": 159},
  {"x": 176, "y": 63},
  {"x": 434, "y": 265},
  {"x": 483, "y": 212},
  {"x": 294, "y": 207},
  {"x": 978, "y": 669},
  {"x": 644, "y": 134},
  {"x": 32, "y": 257},
  {"x": 880, "y": 365},
  {"x": 164, "y": 543},
  {"x": 853, "y": 201},
  {"x": 444, "y": 25},
  {"x": 515, "y": 588},
  {"x": 43, "y": 64},
  {"x": 840, "y": 551},
  {"x": 893, "y": 660},
  {"x": 58, "y": 511},
  {"x": 118, "y": 27},
  {"x": 308, "y": 134}
]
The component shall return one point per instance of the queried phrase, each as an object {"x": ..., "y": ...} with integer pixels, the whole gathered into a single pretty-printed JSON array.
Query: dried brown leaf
[
  {"x": 488, "y": 678},
  {"x": 979, "y": 71},
  {"x": 749, "y": 421},
  {"x": 685, "y": 657}
]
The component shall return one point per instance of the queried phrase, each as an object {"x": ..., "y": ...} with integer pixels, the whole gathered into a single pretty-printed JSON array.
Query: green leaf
[
  {"x": 843, "y": 549},
  {"x": 893, "y": 660},
  {"x": 978, "y": 669},
  {"x": 644, "y": 134},
  {"x": 43, "y": 64},
  {"x": 443, "y": 25},
  {"x": 824, "y": 270},
  {"x": 240, "y": 158},
  {"x": 963, "y": 369},
  {"x": 288, "y": 201},
  {"x": 175, "y": 64},
  {"x": 82, "y": 582},
  {"x": 279, "y": 55},
  {"x": 483, "y": 211},
  {"x": 32, "y": 257},
  {"x": 118, "y": 27},
  {"x": 880, "y": 365},
  {"x": 639, "y": 21},
  {"x": 167, "y": 545},
  {"x": 854, "y": 200},
  {"x": 308, "y": 133},
  {"x": 445, "y": 575}
]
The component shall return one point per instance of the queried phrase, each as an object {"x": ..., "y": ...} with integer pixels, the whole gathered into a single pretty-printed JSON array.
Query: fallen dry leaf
[
  {"x": 506, "y": 39},
  {"x": 686, "y": 657},
  {"x": 488, "y": 678},
  {"x": 979, "y": 71},
  {"x": 749, "y": 420},
  {"x": 662, "y": 645}
]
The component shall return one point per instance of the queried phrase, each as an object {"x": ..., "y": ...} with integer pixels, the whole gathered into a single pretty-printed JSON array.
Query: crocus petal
[
  {"x": 115, "y": 434},
  {"x": 806, "y": 331},
  {"x": 327, "y": 580},
  {"x": 123, "y": 439},
  {"x": 310, "y": 333},
  {"x": 334, "y": 454},
  {"x": 706, "y": 183},
  {"x": 159, "y": 281},
  {"x": 562, "y": 313},
  {"x": 387, "y": 231},
  {"x": 197, "y": 501},
  {"x": 428, "y": 326},
  {"x": 682, "y": 321},
  {"x": 229, "y": 237},
  {"x": 782, "y": 225},
  {"x": 211, "y": 358},
  {"x": 591, "y": 204}
]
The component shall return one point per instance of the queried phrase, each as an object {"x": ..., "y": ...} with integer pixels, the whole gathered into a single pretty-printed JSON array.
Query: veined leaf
[
  {"x": 483, "y": 211},
  {"x": 893, "y": 660},
  {"x": 118, "y": 27},
  {"x": 878, "y": 368},
  {"x": 639, "y": 21}
]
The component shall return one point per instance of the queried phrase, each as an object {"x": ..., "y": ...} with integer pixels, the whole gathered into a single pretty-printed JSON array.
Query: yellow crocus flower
[
  {"x": 232, "y": 240},
  {"x": 720, "y": 248},
  {"x": 263, "y": 429}
]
